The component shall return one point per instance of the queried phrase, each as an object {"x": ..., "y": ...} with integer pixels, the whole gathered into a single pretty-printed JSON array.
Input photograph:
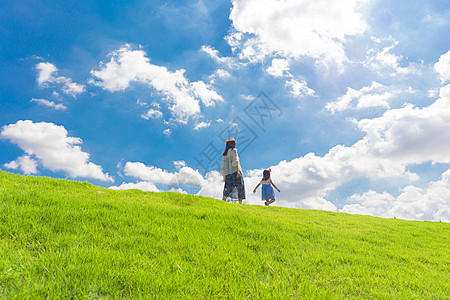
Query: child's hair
[{"x": 266, "y": 174}]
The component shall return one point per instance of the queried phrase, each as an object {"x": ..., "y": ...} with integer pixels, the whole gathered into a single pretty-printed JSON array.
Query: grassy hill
[{"x": 65, "y": 239}]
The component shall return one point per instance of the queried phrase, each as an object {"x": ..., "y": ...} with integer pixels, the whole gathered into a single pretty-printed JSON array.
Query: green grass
[{"x": 65, "y": 239}]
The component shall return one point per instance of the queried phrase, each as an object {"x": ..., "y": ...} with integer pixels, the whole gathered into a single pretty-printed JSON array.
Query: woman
[{"x": 232, "y": 172}]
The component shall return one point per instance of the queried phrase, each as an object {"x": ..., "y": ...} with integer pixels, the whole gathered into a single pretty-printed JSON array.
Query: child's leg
[{"x": 271, "y": 201}]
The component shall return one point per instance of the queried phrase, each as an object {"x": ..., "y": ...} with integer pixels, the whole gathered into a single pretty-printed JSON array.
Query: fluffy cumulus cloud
[
  {"x": 213, "y": 185},
  {"x": 375, "y": 95},
  {"x": 431, "y": 203},
  {"x": 295, "y": 28},
  {"x": 184, "y": 175},
  {"x": 184, "y": 180},
  {"x": 47, "y": 74},
  {"x": 54, "y": 150},
  {"x": 443, "y": 67},
  {"x": 25, "y": 163},
  {"x": 279, "y": 67},
  {"x": 299, "y": 89},
  {"x": 411, "y": 135},
  {"x": 385, "y": 61},
  {"x": 127, "y": 66},
  {"x": 142, "y": 185}
]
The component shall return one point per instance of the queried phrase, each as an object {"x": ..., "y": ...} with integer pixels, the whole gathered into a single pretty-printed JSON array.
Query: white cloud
[
  {"x": 201, "y": 125},
  {"x": 295, "y": 28},
  {"x": 179, "y": 164},
  {"x": 279, "y": 67},
  {"x": 71, "y": 88},
  {"x": 55, "y": 150},
  {"x": 205, "y": 93},
  {"x": 375, "y": 95},
  {"x": 47, "y": 74},
  {"x": 143, "y": 186},
  {"x": 185, "y": 175},
  {"x": 25, "y": 163},
  {"x": 214, "y": 54},
  {"x": 411, "y": 135},
  {"x": 127, "y": 66},
  {"x": 141, "y": 103},
  {"x": 443, "y": 67},
  {"x": 152, "y": 114},
  {"x": 213, "y": 185},
  {"x": 167, "y": 132},
  {"x": 248, "y": 97},
  {"x": 370, "y": 203},
  {"x": 431, "y": 203},
  {"x": 50, "y": 104},
  {"x": 230, "y": 62},
  {"x": 300, "y": 88},
  {"x": 221, "y": 73},
  {"x": 385, "y": 61}
]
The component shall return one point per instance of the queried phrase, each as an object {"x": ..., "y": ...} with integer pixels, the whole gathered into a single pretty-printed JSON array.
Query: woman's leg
[{"x": 227, "y": 188}]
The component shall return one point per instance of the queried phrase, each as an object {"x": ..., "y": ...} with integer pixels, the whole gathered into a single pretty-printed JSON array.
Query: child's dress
[{"x": 267, "y": 190}]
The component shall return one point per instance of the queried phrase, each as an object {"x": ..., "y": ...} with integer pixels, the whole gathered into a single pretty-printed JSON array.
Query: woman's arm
[
  {"x": 235, "y": 161},
  {"x": 274, "y": 185},
  {"x": 254, "y": 191}
]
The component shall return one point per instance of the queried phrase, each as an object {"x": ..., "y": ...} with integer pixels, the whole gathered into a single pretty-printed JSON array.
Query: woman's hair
[
  {"x": 230, "y": 145},
  {"x": 266, "y": 174}
]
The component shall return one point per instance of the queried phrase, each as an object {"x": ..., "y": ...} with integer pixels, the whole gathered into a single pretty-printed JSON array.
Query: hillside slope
[{"x": 61, "y": 239}]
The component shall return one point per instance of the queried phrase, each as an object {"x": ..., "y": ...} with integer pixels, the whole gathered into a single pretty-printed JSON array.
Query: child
[{"x": 266, "y": 189}]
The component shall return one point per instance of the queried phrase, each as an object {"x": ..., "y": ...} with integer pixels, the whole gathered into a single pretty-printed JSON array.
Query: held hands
[{"x": 238, "y": 174}]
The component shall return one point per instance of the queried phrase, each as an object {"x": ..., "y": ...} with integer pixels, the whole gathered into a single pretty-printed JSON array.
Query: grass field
[{"x": 65, "y": 239}]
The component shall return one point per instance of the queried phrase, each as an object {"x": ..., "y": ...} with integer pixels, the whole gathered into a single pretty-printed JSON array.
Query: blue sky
[{"x": 347, "y": 102}]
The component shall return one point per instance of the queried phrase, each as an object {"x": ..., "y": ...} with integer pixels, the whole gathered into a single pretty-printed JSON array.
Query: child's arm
[
  {"x": 254, "y": 191},
  {"x": 274, "y": 185}
]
